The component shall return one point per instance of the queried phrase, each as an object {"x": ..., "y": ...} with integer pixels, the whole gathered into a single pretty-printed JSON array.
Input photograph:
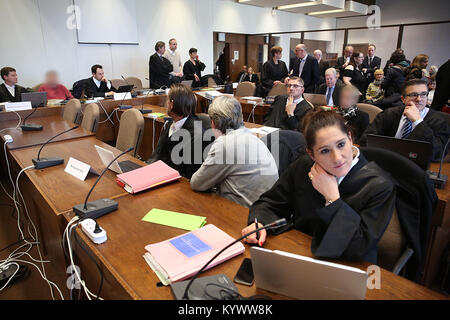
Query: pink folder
[
  {"x": 178, "y": 266},
  {"x": 147, "y": 177}
]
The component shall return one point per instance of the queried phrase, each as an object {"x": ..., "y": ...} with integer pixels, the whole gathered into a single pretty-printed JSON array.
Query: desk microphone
[
  {"x": 98, "y": 208},
  {"x": 273, "y": 225},
  {"x": 438, "y": 178},
  {"x": 49, "y": 162},
  {"x": 30, "y": 126}
]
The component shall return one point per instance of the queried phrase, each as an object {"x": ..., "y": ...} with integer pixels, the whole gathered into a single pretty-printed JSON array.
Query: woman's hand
[
  {"x": 324, "y": 183},
  {"x": 276, "y": 82},
  {"x": 252, "y": 238}
]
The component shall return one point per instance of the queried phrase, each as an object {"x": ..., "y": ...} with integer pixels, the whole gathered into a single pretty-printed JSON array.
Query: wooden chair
[
  {"x": 117, "y": 83},
  {"x": 277, "y": 90},
  {"x": 245, "y": 89},
  {"x": 370, "y": 109},
  {"x": 211, "y": 82},
  {"x": 72, "y": 111},
  {"x": 131, "y": 130},
  {"x": 136, "y": 82},
  {"x": 317, "y": 100},
  {"x": 91, "y": 117}
]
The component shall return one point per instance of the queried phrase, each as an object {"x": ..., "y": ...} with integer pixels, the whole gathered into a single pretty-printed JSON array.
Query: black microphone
[
  {"x": 98, "y": 208},
  {"x": 438, "y": 178},
  {"x": 49, "y": 162},
  {"x": 273, "y": 225},
  {"x": 30, "y": 126}
]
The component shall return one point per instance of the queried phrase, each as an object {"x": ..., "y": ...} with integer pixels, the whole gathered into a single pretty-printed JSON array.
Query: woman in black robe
[
  {"x": 193, "y": 68},
  {"x": 354, "y": 75},
  {"x": 274, "y": 71},
  {"x": 335, "y": 195}
]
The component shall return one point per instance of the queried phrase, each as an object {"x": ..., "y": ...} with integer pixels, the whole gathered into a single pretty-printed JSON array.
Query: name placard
[
  {"x": 122, "y": 95},
  {"x": 78, "y": 169},
  {"x": 18, "y": 106}
]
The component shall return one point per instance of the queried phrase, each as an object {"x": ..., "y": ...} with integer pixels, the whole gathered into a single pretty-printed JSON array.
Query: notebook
[
  {"x": 175, "y": 219},
  {"x": 181, "y": 257},
  {"x": 147, "y": 177}
]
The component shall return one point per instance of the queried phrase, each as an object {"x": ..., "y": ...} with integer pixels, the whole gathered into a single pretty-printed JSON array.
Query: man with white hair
[
  {"x": 344, "y": 61},
  {"x": 305, "y": 67},
  {"x": 238, "y": 165},
  {"x": 331, "y": 89},
  {"x": 323, "y": 65}
]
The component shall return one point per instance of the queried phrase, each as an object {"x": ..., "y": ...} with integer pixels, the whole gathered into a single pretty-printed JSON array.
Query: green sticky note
[
  {"x": 158, "y": 114},
  {"x": 175, "y": 219}
]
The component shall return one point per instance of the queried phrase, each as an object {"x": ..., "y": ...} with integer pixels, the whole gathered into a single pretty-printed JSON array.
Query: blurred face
[
  {"x": 417, "y": 94},
  {"x": 348, "y": 52},
  {"x": 173, "y": 45},
  {"x": 278, "y": 55},
  {"x": 432, "y": 85},
  {"x": 194, "y": 55},
  {"x": 250, "y": 70},
  {"x": 317, "y": 55},
  {"x": 424, "y": 64},
  {"x": 300, "y": 52},
  {"x": 333, "y": 151},
  {"x": 295, "y": 89},
  {"x": 330, "y": 80},
  {"x": 379, "y": 76},
  {"x": 99, "y": 74},
  {"x": 11, "y": 79},
  {"x": 371, "y": 51},
  {"x": 52, "y": 79},
  {"x": 359, "y": 60},
  {"x": 162, "y": 50},
  {"x": 347, "y": 99},
  {"x": 244, "y": 68}
]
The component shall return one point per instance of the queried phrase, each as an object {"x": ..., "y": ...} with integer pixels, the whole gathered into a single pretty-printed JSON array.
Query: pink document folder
[
  {"x": 177, "y": 266},
  {"x": 147, "y": 177}
]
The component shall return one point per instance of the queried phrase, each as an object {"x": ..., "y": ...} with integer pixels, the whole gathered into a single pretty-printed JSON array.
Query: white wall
[{"x": 39, "y": 39}]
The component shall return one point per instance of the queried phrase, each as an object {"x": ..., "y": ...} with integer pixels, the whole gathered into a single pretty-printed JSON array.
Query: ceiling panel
[
  {"x": 319, "y": 5},
  {"x": 272, "y": 3},
  {"x": 352, "y": 8}
]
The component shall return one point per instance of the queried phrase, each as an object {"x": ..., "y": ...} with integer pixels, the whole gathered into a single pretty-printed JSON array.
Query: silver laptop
[
  {"x": 187, "y": 83},
  {"x": 306, "y": 278},
  {"x": 37, "y": 99},
  {"x": 118, "y": 167}
]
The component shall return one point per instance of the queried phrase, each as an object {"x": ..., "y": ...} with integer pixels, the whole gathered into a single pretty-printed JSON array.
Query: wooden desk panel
[
  {"x": 52, "y": 125},
  {"x": 40, "y": 112},
  {"x": 61, "y": 190},
  {"x": 122, "y": 254}
]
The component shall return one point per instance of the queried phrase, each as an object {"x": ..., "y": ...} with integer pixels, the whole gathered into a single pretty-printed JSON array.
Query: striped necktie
[{"x": 407, "y": 128}]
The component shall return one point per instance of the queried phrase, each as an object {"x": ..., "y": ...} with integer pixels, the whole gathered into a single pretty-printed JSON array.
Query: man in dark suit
[
  {"x": 330, "y": 89},
  {"x": 159, "y": 67},
  {"x": 10, "y": 91},
  {"x": 323, "y": 65},
  {"x": 344, "y": 61},
  {"x": 371, "y": 63},
  {"x": 96, "y": 86},
  {"x": 251, "y": 77},
  {"x": 305, "y": 67},
  {"x": 414, "y": 121},
  {"x": 241, "y": 76}
]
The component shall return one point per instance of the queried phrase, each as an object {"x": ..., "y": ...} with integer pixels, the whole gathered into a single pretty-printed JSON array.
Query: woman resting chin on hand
[{"x": 335, "y": 195}]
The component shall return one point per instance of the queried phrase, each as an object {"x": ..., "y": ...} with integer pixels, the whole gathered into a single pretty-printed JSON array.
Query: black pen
[{"x": 256, "y": 227}]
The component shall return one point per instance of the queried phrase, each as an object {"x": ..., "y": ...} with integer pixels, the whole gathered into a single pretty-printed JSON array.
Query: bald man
[
  {"x": 305, "y": 67},
  {"x": 344, "y": 61}
]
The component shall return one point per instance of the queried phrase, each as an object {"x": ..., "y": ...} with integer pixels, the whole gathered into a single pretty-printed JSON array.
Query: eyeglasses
[
  {"x": 295, "y": 86},
  {"x": 414, "y": 95}
]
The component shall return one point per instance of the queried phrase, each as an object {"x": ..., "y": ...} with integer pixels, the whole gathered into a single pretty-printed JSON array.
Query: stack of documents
[
  {"x": 262, "y": 131},
  {"x": 181, "y": 257},
  {"x": 211, "y": 95},
  {"x": 175, "y": 219}
]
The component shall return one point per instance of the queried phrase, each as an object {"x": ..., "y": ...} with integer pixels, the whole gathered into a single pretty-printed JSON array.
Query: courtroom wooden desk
[
  {"x": 39, "y": 112},
  {"x": 121, "y": 255}
]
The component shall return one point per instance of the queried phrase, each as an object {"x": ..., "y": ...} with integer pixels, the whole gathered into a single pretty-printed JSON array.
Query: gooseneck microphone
[
  {"x": 30, "y": 126},
  {"x": 49, "y": 162},
  {"x": 273, "y": 225},
  {"x": 98, "y": 208},
  {"x": 438, "y": 178}
]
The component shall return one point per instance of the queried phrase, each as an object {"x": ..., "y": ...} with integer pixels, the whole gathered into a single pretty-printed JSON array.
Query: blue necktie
[
  {"x": 407, "y": 128},
  {"x": 330, "y": 92}
]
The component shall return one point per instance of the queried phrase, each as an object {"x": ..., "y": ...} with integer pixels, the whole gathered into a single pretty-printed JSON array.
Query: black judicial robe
[
  {"x": 349, "y": 228},
  {"x": 189, "y": 69},
  {"x": 6, "y": 96},
  {"x": 433, "y": 129},
  {"x": 278, "y": 118},
  {"x": 90, "y": 89},
  {"x": 159, "y": 70},
  {"x": 273, "y": 72}
]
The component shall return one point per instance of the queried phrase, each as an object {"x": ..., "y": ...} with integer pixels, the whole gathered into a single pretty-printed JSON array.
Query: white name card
[
  {"x": 122, "y": 95},
  {"x": 78, "y": 169},
  {"x": 18, "y": 106}
]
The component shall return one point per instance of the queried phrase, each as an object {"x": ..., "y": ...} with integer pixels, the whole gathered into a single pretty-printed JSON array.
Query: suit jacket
[
  {"x": 278, "y": 118},
  {"x": 159, "y": 70},
  {"x": 90, "y": 89},
  {"x": 442, "y": 94},
  {"x": 323, "y": 66},
  {"x": 433, "y": 129},
  {"x": 376, "y": 64},
  {"x": 358, "y": 124},
  {"x": 310, "y": 73},
  {"x": 394, "y": 79},
  {"x": 339, "y": 65},
  {"x": 166, "y": 144},
  {"x": 336, "y": 93},
  {"x": 254, "y": 78},
  {"x": 6, "y": 96},
  {"x": 349, "y": 228}
]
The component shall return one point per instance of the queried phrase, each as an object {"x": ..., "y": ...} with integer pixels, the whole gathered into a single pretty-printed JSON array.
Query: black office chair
[
  {"x": 286, "y": 146},
  {"x": 403, "y": 246}
]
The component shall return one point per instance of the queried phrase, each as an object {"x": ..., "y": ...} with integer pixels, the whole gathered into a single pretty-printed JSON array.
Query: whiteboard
[{"x": 106, "y": 21}]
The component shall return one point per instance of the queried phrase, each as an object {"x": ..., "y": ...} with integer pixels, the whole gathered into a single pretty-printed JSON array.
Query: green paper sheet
[
  {"x": 175, "y": 219},
  {"x": 158, "y": 114}
]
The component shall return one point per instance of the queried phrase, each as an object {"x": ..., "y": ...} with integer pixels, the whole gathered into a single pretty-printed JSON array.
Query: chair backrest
[
  {"x": 131, "y": 130},
  {"x": 317, "y": 100},
  {"x": 277, "y": 90},
  {"x": 211, "y": 82},
  {"x": 245, "y": 89},
  {"x": 371, "y": 110},
  {"x": 91, "y": 117},
  {"x": 72, "y": 110},
  {"x": 206, "y": 120},
  {"x": 117, "y": 83},
  {"x": 136, "y": 82}
]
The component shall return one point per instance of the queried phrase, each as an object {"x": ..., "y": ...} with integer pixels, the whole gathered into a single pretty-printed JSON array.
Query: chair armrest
[{"x": 400, "y": 264}]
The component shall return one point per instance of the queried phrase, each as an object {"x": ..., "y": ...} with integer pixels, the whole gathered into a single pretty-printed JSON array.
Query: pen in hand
[{"x": 256, "y": 227}]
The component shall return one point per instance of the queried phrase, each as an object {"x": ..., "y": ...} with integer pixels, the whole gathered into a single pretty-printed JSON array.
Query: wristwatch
[{"x": 328, "y": 202}]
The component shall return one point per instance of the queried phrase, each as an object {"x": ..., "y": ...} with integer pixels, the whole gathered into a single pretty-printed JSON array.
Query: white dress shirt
[
  {"x": 98, "y": 83},
  {"x": 302, "y": 65},
  {"x": 403, "y": 119},
  {"x": 11, "y": 89},
  {"x": 176, "y": 126}
]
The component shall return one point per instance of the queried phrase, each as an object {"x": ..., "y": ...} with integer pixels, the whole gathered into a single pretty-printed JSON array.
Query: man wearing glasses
[
  {"x": 414, "y": 121},
  {"x": 287, "y": 111}
]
